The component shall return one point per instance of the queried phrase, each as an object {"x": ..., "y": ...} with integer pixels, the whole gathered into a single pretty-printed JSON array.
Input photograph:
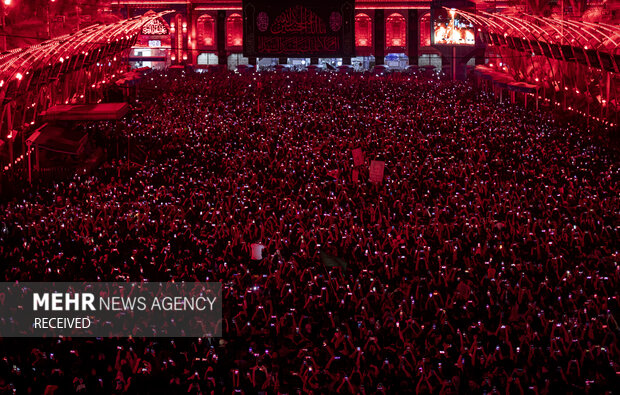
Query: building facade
[{"x": 204, "y": 33}]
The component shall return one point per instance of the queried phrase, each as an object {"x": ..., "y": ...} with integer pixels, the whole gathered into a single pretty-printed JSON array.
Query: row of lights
[
  {"x": 577, "y": 91},
  {"x": 603, "y": 102},
  {"x": 183, "y": 26},
  {"x": 571, "y": 109},
  {"x": 17, "y": 161}
]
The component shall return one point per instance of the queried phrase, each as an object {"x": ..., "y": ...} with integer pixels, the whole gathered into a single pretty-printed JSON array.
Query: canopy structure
[
  {"x": 52, "y": 138},
  {"x": 591, "y": 44},
  {"x": 68, "y": 69},
  {"x": 131, "y": 78},
  {"x": 504, "y": 80},
  {"x": 576, "y": 63},
  {"x": 86, "y": 112}
]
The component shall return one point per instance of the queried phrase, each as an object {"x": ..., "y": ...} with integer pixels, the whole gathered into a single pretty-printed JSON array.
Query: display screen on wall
[
  {"x": 300, "y": 28},
  {"x": 451, "y": 28}
]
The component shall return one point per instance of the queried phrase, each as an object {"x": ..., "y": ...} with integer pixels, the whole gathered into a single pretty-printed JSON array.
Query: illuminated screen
[
  {"x": 450, "y": 28},
  {"x": 154, "y": 43}
]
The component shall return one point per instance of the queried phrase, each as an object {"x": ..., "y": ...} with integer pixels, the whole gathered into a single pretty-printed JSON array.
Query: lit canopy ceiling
[{"x": 38, "y": 63}]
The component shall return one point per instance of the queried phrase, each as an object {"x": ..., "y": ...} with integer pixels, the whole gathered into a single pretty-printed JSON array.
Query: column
[
  {"x": 379, "y": 36},
  {"x": 413, "y": 36},
  {"x": 184, "y": 43},
  {"x": 479, "y": 57},
  {"x": 191, "y": 35},
  {"x": 222, "y": 59}
]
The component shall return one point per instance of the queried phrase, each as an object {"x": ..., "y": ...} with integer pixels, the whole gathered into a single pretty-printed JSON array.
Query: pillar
[
  {"x": 191, "y": 35},
  {"x": 222, "y": 59},
  {"x": 479, "y": 57},
  {"x": 413, "y": 40},
  {"x": 184, "y": 43},
  {"x": 379, "y": 36},
  {"x": 314, "y": 60},
  {"x": 346, "y": 60},
  {"x": 282, "y": 60}
]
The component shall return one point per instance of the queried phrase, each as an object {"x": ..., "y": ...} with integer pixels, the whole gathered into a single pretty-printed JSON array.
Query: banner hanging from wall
[{"x": 301, "y": 28}]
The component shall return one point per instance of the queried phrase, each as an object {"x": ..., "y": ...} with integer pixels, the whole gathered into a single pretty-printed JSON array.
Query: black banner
[{"x": 302, "y": 28}]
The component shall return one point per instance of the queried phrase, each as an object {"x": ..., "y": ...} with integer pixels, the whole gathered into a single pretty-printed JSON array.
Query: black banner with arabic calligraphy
[{"x": 302, "y": 28}]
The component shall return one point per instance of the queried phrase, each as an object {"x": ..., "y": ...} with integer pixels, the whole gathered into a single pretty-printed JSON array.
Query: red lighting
[
  {"x": 205, "y": 26},
  {"x": 234, "y": 30},
  {"x": 395, "y": 31},
  {"x": 363, "y": 30}
]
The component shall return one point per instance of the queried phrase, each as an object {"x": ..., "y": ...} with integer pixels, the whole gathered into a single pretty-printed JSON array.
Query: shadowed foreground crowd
[{"x": 485, "y": 262}]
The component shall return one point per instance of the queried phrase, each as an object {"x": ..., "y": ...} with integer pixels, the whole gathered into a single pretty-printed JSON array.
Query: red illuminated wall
[
  {"x": 425, "y": 30},
  {"x": 363, "y": 31},
  {"x": 395, "y": 32},
  {"x": 206, "y": 31},
  {"x": 234, "y": 31}
]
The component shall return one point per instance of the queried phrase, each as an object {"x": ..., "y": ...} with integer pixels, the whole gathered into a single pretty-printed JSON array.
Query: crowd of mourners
[{"x": 486, "y": 261}]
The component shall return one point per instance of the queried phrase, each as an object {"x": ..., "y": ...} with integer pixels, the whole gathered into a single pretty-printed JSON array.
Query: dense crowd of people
[{"x": 486, "y": 261}]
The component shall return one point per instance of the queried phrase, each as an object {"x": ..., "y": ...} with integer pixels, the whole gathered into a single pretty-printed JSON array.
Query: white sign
[{"x": 257, "y": 251}]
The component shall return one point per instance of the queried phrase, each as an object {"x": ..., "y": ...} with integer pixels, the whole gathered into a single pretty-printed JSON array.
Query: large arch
[
  {"x": 234, "y": 31},
  {"x": 425, "y": 30},
  {"x": 363, "y": 31},
  {"x": 205, "y": 28},
  {"x": 396, "y": 33}
]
